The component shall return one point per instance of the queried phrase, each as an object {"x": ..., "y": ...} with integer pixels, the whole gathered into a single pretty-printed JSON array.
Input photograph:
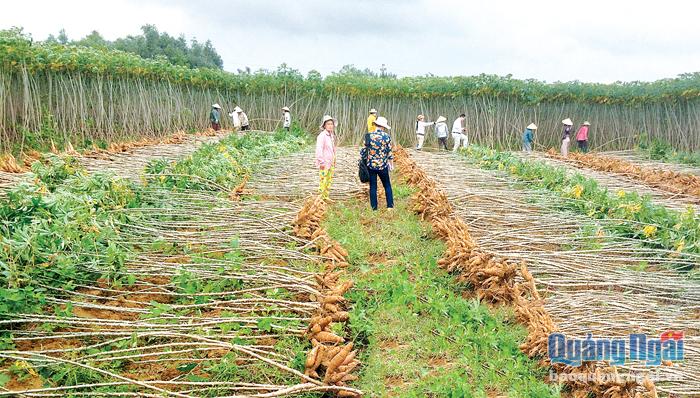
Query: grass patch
[{"x": 422, "y": 333}]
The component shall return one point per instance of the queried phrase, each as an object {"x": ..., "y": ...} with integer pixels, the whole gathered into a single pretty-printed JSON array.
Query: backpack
[{"x": 363, "y": 170}]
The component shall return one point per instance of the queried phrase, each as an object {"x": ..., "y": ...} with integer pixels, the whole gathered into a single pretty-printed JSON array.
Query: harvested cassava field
[
  {"x": 616, "y": 182},
  {"x": 593, "y": 280}
]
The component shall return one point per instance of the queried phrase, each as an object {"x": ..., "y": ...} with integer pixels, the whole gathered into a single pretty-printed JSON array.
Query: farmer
[
  {"x": 235, "y": 119},
  {"x": 420, "y": 130},
  {"x": 379, "y": 162},
  {"x": 566, "y": 137},
  {"x": 582, "y": 137},
  {"x": 441, "y": 131},
  {"x": 459, "y": 133},
  {"x": 287, "y": 118},
  {"x": 245, "y": 125},
  {"x": 215, "y": 117},
  {"x": 529, "y": 136},
  {"x": 325, "y": 155},
  {"x": 370, "y": 120}
]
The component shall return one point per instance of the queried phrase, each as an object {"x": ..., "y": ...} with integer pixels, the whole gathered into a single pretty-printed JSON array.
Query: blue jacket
[{"x": 527, "y": 135}]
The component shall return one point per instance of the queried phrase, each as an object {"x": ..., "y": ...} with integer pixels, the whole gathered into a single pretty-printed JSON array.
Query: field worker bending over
[
  {"x": 370, "y": 120},
  {"x": 582, "y": 137},
  {"x": 379, "y": 162},
  {"x": 529, "y": 137},
  {"x": 459, "y": 133},
  {"x": 287, "y": 118},
  {"x": 566, "y": 137},
  {"x": 441, "y": 131},
  {"x": 325, "y": 155},
  {"x": 420, "y": 130},
  {"x": 236, "y": 120},
  {"x": 245, "y": 125},
  {"x": 215, "y": 117}
]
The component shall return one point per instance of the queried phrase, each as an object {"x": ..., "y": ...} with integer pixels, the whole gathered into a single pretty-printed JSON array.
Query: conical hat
[
  {"x": 567, "y": 122},
  {"x": 532, "y": 126}
]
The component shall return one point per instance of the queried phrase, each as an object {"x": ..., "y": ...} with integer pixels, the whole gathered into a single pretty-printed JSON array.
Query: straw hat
[
  {"x": 382, "y": 122},
  {"x": 217, "y": 106},
  {"x": 237, "y": 109},
  {"x": 286, "y": 109},
  {"x": 372, "y": 110},
  {"x": 532, "y": 126},
  {"x": 420, "y": 117},
  {"x": 440, "y": 119},
  {"x": 586, "y": 123},
  {"x": 567, "y": 122},
  {"x": 327, "y": 118}
]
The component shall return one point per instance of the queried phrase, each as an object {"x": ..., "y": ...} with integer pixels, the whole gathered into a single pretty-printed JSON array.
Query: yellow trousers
[{"x": 325, "y": 180}]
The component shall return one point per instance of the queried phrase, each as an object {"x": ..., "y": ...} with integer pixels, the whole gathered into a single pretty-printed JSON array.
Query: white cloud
[{"x": 594, "y": 40}]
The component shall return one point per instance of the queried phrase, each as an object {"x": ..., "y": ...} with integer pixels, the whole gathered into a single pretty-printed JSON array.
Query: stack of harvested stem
[
  {"x": 494, "y": 280},
  {"x": 668, "y": 180},
  {"x": 330, "y": 354}
]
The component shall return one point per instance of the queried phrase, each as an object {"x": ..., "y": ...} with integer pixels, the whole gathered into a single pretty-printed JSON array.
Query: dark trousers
[
  {"x": 386, "y": 183},
  {"x": 215, "y": 126},
  {"x": 583, "y": 146},
  {"x": 246, "y": 127},
  {"x": 443, "y": 142}
]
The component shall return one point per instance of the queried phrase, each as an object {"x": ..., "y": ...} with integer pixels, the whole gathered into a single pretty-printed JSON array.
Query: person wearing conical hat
[
  {"x": 421, "y": 124},
  {"x": 215, "y": 117},
  {"x": 245, "y": 125},
  {"x": 582, "y": 137},
  {"x": 529, "y": 137},
  {"x": 370, "y": 120},
  {"x": 325, "y": 155},
  {"x": 566, "y": 137},
  {"x": 459, "y": 133},
  {"x": 287, "y": 124},
  {"x": 441, "y": 131}
]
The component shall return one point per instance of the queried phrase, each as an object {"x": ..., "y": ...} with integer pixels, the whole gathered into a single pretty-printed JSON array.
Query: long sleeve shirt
[
  {"x": 235, "y": 119},
  {"x": 325, "y": 149},
  {"x": 380, "y": 152},
  {"x": 370, "y": 122},
  {"x": 582, "y": 134},
  {"x": 421, "y": 125},
  {"x": 244, "y": 119},
  {"x": 567, "y": 132},
  {"x": 527, "y": 136},
  {"x": 287, "y": 120},
  {"x": 441, "y": 129},
  {"x": 214, "y": 116}
]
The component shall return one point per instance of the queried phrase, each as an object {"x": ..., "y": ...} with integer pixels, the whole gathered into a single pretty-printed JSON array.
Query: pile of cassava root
[
  {"x": 331, "y": 358},
  {"x": 667, "y": 180},
  {"x": 495, "y": 280}
]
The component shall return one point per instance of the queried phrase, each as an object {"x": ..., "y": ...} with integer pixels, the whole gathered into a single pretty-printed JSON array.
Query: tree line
[{"x": 152, "y": 44}]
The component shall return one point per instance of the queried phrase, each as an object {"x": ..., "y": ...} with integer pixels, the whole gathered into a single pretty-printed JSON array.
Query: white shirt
[
  {"x": 457, "y": 126},
  {"x": 421, "y": 125},
  {"x": 236, "y": 120},
  {"x": 287, "y": 120},
  {"x": 441, "y": 129},
  {"x": 244, "y": 119}
]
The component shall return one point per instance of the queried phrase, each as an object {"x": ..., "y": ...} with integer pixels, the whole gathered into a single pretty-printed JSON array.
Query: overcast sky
[{"x": 591, "y": 40}]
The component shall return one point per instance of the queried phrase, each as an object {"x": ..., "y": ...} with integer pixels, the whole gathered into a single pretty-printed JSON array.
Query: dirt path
[{"x": 603, "y": 285}]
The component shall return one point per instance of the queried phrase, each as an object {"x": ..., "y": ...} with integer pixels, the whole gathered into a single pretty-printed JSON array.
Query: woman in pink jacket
[
  {"x": 325, "y": 155},
  {"x": 582, "y": 137}
]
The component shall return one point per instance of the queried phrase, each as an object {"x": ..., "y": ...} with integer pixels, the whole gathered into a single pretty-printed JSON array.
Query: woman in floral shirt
[{"x": 379, "y": 162}]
